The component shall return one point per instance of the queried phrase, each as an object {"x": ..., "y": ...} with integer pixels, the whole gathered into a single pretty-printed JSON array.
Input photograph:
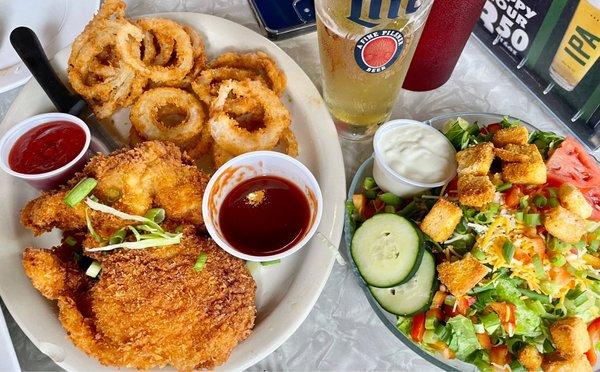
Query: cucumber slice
[
  {"x": 387, "y": 250},
  {"x": 413, "y": 296}
]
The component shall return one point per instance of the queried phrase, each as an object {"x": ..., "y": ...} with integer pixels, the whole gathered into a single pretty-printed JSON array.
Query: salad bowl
[{"x": 389, "y": 319}]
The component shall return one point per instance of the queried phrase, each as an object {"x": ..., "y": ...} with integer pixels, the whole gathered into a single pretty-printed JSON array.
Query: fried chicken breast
[
  {"x": 150, "y": 308},
  {"x": 152, "y": 174}
]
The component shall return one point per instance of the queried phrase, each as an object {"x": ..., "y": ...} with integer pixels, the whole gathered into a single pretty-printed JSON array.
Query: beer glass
[{"x": 365, "y": 48}]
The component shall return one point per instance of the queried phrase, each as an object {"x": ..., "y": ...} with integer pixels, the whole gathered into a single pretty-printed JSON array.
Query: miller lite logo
[
  {"x": 378, "y": 50},
  {"x": 376, "y": 10}
]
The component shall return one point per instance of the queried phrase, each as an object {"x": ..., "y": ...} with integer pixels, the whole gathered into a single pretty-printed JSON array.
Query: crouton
[
  {"x": 555, "y": 363},
  {"x": 516, "y": 135},
  {"x": 524, "y": 173},
  {"x": 475, "y": 191},
  {"x": 475, "y": 160},
  {"x": 564, "y": 224},
  {"x": 519, "y": 153},
  {"x": 440, "y": 222},
  {"x": 571, "y": 198},
  {"x": 460, "y": 276},
  {"x": 570, "y": 337},
  {"x": 530, "y": 358}
]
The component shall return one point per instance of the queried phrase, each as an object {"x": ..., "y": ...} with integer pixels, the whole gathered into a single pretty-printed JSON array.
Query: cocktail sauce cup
[{"x": 252, "y": 165}]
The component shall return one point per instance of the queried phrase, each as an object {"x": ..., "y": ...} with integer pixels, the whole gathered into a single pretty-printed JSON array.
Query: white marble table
[{"x": 342, "y": 333}]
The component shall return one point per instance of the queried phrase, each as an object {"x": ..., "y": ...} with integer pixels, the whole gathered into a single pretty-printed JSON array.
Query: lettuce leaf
[{"x": 464, "y": 340}]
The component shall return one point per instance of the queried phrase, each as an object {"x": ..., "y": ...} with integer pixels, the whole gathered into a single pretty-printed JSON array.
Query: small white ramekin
[
  {"x": 251, "y": 165},
  {"x": 389, "y": 180},
  {"x": 52, "y": 179}
]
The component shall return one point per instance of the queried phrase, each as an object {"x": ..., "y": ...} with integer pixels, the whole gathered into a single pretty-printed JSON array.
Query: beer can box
[{"x": 553, "y": 47}]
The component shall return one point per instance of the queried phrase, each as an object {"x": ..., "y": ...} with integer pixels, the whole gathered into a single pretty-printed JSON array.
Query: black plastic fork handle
[{"x": 28, "y": 47}]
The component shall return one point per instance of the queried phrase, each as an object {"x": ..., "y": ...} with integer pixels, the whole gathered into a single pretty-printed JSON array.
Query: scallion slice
[
  {"x": 539, "y": 268},
  {"x": 80, "y": 191},
  {"x": 508, "y": 250},
  {"x": 389, "y": 209},
  {"x": 558, "y": 260},
  {"x": 540, "y": 201},
  {"x": 503, "y": 187},
  {"x": 201, "y": 261},
  {"x": 553, "y": 202},
  {"x": 156, "y": 214},
  {"x": 390, "y": 199},
  {"x": 519, "y": 216},
  {"x": 122, "y": 215},
  {"x": 371, "y": 194},
  {"x": 179, "y": 229},
  {"x": 532, "y": 219},
  {"x": 142, "y": 244},
  {"x": 117, "y": 237},
  {"x": 94, "y": 269},
  {"x": 269, "y": 263},
  {"x": 90, "y": 227},
  {"x": 524, "y": 202},
  {"x": 71, "y": 241},
  {"x": 534, "y": 295},
  {"x": 369, "y": 183}
]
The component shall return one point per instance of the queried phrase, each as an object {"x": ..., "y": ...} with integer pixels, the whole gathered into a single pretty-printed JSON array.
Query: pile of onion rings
[{"x": 221, "y": 108}]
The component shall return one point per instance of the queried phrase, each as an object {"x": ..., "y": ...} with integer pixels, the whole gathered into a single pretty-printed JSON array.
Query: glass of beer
[
  {"x": 580, "y": 47},
  {"x": 366, "y": 47}
]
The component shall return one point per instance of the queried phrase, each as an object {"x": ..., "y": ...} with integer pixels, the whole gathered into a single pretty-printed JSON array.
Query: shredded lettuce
[
  {"x": 464, "y": 340},
  {"x": 461, "y": 134}
]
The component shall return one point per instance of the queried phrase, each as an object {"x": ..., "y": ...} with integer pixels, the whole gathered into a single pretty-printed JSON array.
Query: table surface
[{"x": 342, "y": 332}]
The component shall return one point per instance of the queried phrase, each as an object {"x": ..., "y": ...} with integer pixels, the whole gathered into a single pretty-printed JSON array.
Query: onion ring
[
  {"x": 207, "y": 84},
  {"x": 220, "y": 156},
  {"x": 258, "y": 62},
  {"x": 131, "y": 53},
  {"x": 289, "y": 140},
  {"x": 145, "y": 115},
  {"x": 233, "y": 138},
  {"x": 97, "y": 74},
  {"x": 152, "y": 40}
]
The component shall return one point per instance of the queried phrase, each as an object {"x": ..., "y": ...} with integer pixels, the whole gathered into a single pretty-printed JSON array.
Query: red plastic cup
[{"x": 444, "y": 37}]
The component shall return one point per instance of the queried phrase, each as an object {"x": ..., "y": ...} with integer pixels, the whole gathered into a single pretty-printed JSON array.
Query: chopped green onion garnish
[
  {"x": 552, "y": 192},
  {"x": 534, "y": 295},
  {"x": 371, "y": 194},
  {"x": 156, "y": 214},
  {"x": 90, "y": 228},
  {"x": 580, "y": 245},
  {"x": 389, "y": 209},
  {"x": 269, "y": 263},
  {"x": 94, "y": 198},
  {"x": 503, "y": 187},
  {"x": 449, "y": 300},
  {"x": 70, "y": 241},
  {"x": 519, "y": 216},
  {"x": 117, "y": 237},
  {"x": 508, "y": 250},
  {"x": 431, "y": 322},
  {"x": 532, "y": 219},
  {"x": 369, "y": 183},
  {"x": 524, "y": 202},
  {"x": 478, "y": 254},
  {"x": 94, "y": 269},
  {"x": 390, "y": 199},
  {"x": 80, "y": 191},
  {"x": 539, "y": 268},
  {"x": 540, "y": 201},
  {"x": 553, "y": 202},
  {"x": 202, "y": 257},
  {"x": 558, "y": 260},
  {"x": 179, "y": 229},
  {"x": 594, "y": 245}
]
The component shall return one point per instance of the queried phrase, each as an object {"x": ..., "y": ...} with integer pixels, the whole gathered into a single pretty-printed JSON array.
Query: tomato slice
[
  {"x": 492, "y": 128},
  {"x": 571, "y": 163},
  {"x": 512, "y": 197}
]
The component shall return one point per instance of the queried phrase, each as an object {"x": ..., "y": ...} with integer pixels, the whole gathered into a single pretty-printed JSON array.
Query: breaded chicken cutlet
[
  {"x": 152, "y": 174},
  {"x": 147, "y": 307},
  {"x": 150, "y": 307}
]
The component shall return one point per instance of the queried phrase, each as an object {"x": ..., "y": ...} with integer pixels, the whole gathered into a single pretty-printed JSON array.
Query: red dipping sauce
[
  {"x": 46, "y": 147},
  {"x": 264, "y": 216}
]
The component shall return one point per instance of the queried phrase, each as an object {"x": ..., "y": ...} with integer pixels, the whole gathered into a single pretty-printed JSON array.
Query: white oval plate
[
  {"x": 56, "y": 23},
  {"x": 286, "y": 292}
]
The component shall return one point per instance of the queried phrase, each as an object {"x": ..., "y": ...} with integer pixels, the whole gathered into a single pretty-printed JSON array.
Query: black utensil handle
[{"x": 28, "y": 47}]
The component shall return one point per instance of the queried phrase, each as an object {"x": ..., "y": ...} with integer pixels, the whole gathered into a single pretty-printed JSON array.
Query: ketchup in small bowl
[
  {"x": 45, "y": 150},
  {"x": 262, "y": 206},
  {"x": 264, "y": 215},
  {"x": 46, "y": 147}
]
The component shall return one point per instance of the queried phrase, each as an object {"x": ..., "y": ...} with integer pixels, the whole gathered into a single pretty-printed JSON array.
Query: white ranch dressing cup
[{"x": 418, "y": 178}]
